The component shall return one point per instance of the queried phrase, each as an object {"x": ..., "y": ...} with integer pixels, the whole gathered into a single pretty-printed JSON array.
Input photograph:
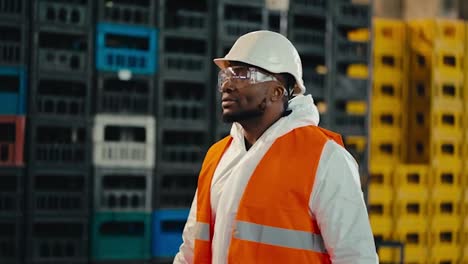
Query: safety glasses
[{"x": 241, "y": 76}]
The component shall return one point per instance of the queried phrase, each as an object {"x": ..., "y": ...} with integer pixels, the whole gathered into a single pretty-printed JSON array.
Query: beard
[
  {"x": 242, "y": 115},
  {"x": 245, "y": 115}
]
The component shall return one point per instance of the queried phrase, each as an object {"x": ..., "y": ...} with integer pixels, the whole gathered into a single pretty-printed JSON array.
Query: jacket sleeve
[
  {"x": 338, "y": 206},
  {"x": 185, "y": 254}
]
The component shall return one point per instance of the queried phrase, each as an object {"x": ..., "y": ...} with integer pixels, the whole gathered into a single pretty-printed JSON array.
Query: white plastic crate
[{"x": 124, "y": 141}]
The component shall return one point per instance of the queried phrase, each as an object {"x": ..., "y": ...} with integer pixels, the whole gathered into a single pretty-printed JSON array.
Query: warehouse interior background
[{"x": 108, "y": 106}]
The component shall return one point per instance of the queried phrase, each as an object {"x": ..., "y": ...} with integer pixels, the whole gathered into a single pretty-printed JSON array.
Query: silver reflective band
[
  {"x": 279, "y": 237},
  {"x": 202, "y": 231}
]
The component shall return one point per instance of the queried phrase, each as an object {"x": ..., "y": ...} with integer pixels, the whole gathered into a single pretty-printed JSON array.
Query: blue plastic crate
[
  {"x": 12, "y": 91},
  {"x": 123, "y": 47},
  {"x": 168, "y": 225}
]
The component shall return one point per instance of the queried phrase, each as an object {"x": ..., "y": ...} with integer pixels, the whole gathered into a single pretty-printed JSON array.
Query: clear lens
[{"x": 241, "y": 76}]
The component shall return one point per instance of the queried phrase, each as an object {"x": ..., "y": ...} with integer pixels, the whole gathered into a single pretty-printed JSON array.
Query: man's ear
[{"x": 278, "y": 93}]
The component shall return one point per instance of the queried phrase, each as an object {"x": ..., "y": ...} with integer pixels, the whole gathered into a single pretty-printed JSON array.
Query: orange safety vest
[{"x": 273, "y": 224}]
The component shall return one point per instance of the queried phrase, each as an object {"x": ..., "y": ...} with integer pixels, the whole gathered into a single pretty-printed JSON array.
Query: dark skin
[{"x": 261, "y": 103}]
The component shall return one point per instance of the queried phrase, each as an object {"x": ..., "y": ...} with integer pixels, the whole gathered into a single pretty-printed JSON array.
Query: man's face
[{"x": 243, "y": 100}]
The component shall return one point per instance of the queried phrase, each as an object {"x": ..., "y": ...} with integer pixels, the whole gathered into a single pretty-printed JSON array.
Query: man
[{"x": 279, "y": 189}]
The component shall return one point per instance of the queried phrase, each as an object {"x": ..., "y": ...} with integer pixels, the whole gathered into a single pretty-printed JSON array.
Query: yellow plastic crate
[
  {"x": 420, "y": 62},
  {"x": 446, "y": 175},
  {"x": 412, "y": 230},
  {"x": 447, "y": 85},
  {"x": 438, "y": 32},
  {"x": 389, "y": 34},
  {"x": 380, "y": 174},
  {"x": 464, "y": 208},
  {"x": 420, "y": 92},
  {"x": 388, "y": 84},
  {"x": 447, "y": 122},
  {"x": 386, "y": 113},
  {"x": 415, "y": 254},
  {"x": 445, "y": 150},
  {"x": 448, "y": 61},
  {"x": 418, "y": 146},
  {"x": 411, "y": 175},
  {"x": 359, "y": 35},
  {"x": 382, "y": 226},
  {"x": 385, "y": 145},
  {"x": 444, "y": 254},
  {"x": 388, "y": 60},
  {"x": 444, "y": 231},
  {"x": 357, "y": 71},
  {"x": 380, "y": 200},
  {"x": 445, "y": 201},
  {"x": 411, "y": 201},
  {"x": 356, "y": 107}
]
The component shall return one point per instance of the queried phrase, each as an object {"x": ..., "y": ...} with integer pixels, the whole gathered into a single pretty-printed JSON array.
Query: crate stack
[
  {"x": 58, "y": 172},
  {"x": 124, "y": 129},
  {"x": 348, "y": 79},
  {"x": 308, "y": 31},
  {"x": 13, "y": 97},
  {"x": 184, "y": 114},
  {"x": 436, "y": 124},
  {"x": 386, "y": 131},
  {"x": 464, "y": 182}
]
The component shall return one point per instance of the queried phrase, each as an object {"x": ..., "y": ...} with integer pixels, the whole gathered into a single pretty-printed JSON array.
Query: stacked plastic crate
[
  {"x": 124, "y": 131},
  {"x": 184, "y": 114},
  {"x": 58, "y": 132},
  {"x": 435, "y": 121},
  {"x": 307, "y": 31},
  {"x": 348, "y": 83},
  {"x": 386, "y": 127},
  {"x": 13, "y": 83}
]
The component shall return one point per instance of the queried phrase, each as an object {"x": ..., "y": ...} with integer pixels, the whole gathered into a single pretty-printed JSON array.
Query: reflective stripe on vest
[
  {"x": 279, "y": 237},
  {"x": 202, "y": 231}
]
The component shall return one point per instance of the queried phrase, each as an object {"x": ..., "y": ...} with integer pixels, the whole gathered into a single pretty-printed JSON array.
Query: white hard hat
[{"x": 268, "y": 50}]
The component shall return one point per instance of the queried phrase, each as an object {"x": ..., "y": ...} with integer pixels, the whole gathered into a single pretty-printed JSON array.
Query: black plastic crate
[
  {"x": 11, "y": 191},
  {"x": 13, "y": 43},
  {"x": 60, "y": 13},
  {"x": 181, "y": 148},
  {"x": 350, "y": 88},
  {"x": 64, "y": 51},
  {"x": 185, "y": 57},
  {"x": 123, "y": 189},
  {"x": 315, "y": 84},
  {"x": 189, "y": 17},
  {"x": 307, "y": 33},
  {"x": 349, "y": 51},
  {"x": 13, "y": 9},
  {"x": 175, "y": 188},
  {"x": 349, "y": 14},
  {"x": 317, "y": 8},
  {"x": 135, "y": 12},
  {"x": 59, "y": 143},
  {"x": 60, "y": 96},
  {"x": 64, "y": 192},
  {"x": 11, "y": 240},
  {"x": 57, "y": 240},
  {"x": 133, "y": 96},
  {"x": 236, "y": 19},
  {"x": 183, "y": 104},
  {"x": 348, "y": 124}
]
